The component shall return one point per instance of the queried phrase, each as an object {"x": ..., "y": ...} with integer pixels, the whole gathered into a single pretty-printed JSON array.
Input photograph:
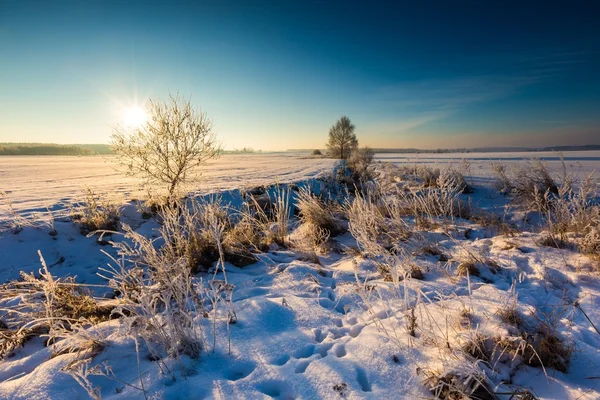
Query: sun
[{"x": 134, "y": 116}]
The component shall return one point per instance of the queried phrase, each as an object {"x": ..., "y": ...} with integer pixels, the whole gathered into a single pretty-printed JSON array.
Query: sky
[{"x": 276, "y": 75}]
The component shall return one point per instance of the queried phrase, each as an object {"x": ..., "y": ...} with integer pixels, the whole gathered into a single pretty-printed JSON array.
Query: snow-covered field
[
  {"x": 329, "y": 325},
  {"x": 36, "y": 182},
  {"x": 581, "y": 162}
]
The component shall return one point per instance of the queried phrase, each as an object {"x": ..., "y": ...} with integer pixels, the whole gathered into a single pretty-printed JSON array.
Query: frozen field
[
  {"x": 35, "y": 182},
  {"x": 580, "y": 162}
]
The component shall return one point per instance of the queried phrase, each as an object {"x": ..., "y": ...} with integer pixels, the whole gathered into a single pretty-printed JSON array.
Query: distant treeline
[
  {"x": 244, "y": 150},
  {"x": 492, "y": 149},
  {"x": 51, "y": 149},
  {"x": 477, "y": 149}
]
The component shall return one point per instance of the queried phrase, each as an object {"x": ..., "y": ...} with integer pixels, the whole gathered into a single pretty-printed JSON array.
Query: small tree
[
  {"x": 170, "y": 147},
  {"x": 342, "y": 139}
]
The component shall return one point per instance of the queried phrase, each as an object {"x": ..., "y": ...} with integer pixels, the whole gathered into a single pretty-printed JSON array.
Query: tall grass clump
[
  {"x": 262, "y": 221},
  {"x": 186, "y": 234},
  {"x": 317, "y": 212},
  {"x": 159, "y": 303},
  {"x": 528, "y": 183},
  {"x": 379, "y": 234},
  {"x": 319, "y": 221},
  {"x": 197, "y": 232},
  {"x": 572, "y": 215},
  {"x": 96, "y": 213},
  {"x": 57, "y": 308},
  {"x": 439, "y": 203},
  {"x": 568, "y": 209},
  {"x": 503, "y": 181},
  {"x": 428, "y": 176}
]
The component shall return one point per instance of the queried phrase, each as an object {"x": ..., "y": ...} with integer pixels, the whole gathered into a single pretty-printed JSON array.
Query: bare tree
[
  {"x": 342, "y": 140},
  {"x": 170, "y": 147}
]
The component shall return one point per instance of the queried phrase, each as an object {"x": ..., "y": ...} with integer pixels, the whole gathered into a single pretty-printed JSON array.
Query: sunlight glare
[{"x": 135, "y": 116}]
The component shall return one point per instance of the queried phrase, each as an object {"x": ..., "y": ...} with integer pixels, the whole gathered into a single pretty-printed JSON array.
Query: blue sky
[{"x": 276, "y": 75}]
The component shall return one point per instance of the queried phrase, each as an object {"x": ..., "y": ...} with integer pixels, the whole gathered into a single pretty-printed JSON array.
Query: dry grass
[
  {"x": 14, "y": 222},
  {"x": 318, "y": 221},
  {"x": 159, "y": 302},
  {"x": 590, "y": 243},
  {"x": 548, "y": 350},
  {"x": 203, "y": 232},
  {"x": 572, "y": 217},
  {"x": 359, "y": 163},
  {"x": 568, "y": 208},
  {"x": 47, "y": 305},
  {"x": 315, "y": 211},
  {"x": 436, "y": 204},
  {"x": 503, "y": 182},
  {"x": 457, "y": 386},
  {"x": 96, "y": 213},
  {"x": 509, "y": 314},
  {"x": 311, "y": 239},
  {"x": 380, "y": 237},
  {"x": 532, "y": 181},
  {"x": 467, "y": 268}
]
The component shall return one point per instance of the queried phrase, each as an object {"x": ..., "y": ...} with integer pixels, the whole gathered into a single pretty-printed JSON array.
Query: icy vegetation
[{"x": 391, "y": 278}]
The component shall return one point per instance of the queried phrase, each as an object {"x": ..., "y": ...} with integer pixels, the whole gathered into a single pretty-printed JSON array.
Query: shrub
[
  {"x": 317, "y": 152},
  {"x": 359, "y": 162}
]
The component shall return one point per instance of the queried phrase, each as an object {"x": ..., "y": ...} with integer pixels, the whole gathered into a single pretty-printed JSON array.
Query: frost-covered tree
[
  {"x": 169, "y": 147},
  {"x": 342, "y": 140}
]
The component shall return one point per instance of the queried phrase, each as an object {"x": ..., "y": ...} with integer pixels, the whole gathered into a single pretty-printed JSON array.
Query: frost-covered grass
[{"x": 398, "y": 283}]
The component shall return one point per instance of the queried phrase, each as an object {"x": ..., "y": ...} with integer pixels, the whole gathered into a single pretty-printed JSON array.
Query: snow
[
  {"x": 581, "y": 163},
  {"x": 303, "y": 330},
  {"x": 36, "y": 182}
]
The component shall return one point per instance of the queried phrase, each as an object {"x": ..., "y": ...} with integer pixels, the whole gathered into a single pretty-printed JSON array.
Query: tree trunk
[{"x": 172, "y": 189}]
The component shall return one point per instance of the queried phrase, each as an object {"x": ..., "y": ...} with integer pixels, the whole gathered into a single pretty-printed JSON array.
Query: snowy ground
[
  {"x": 308, "y": 331},
  {"x": 36, "y": 182},
  {"x": 579, "y": 162}
]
